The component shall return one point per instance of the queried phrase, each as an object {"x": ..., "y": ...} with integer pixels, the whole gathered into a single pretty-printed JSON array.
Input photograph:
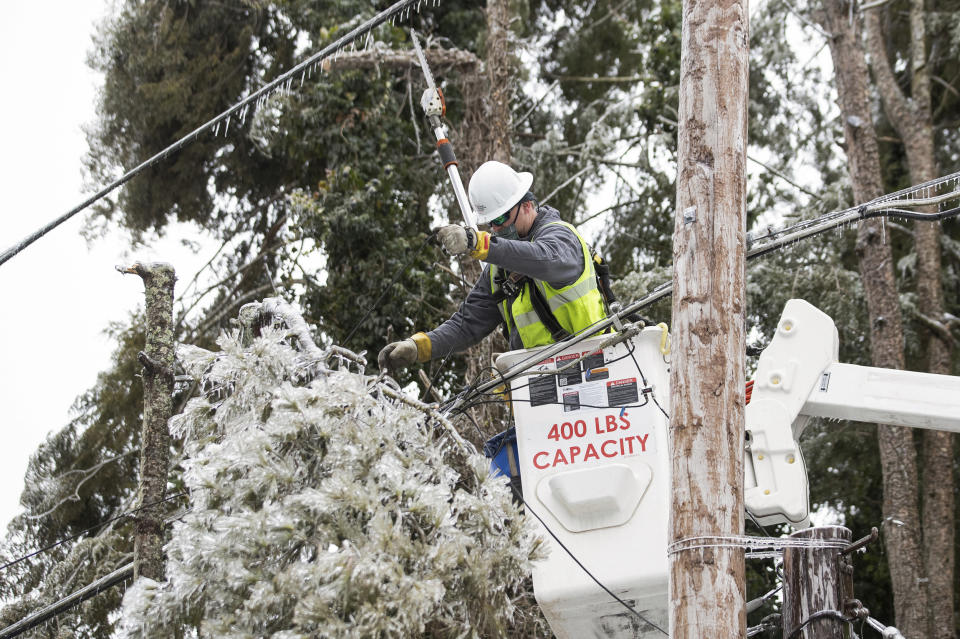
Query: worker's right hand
[
  {"x": 457, "y": 240},
  {"x": 398, "y": 355}
]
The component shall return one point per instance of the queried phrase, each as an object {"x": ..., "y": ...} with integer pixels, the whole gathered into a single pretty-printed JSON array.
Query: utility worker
[{"x": 539, "y": 282}]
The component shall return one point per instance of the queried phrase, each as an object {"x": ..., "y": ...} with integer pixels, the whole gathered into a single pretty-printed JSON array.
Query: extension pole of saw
[
  {"x": 449, "y": 160},
  {"x": 435, "y": 107}
]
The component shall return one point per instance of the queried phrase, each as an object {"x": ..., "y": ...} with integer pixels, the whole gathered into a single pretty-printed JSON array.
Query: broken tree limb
[{"x": 157, "y": 359}]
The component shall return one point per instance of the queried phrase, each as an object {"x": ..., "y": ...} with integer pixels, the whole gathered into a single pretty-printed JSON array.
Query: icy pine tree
[{"x": 324, "y": 503}]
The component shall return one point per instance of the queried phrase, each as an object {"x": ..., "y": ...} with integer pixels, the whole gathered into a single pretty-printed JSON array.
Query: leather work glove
[
  {"x": 396, "y": 355},
  {"x": 457, "y": 240}
]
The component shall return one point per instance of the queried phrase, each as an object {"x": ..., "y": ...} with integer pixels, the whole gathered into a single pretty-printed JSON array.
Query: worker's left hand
[
  {"x": 457, "y": 240},
  {"x": 397, "y": 355}
]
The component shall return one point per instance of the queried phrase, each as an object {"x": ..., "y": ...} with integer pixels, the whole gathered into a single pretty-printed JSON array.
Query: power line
[
  {"x": 33, "y": 620},
  {"x": 107, "y": 581},
  {"x": 239, "y": 108},
  {"x": 889, "y": 205},
  {"x": 85, "y": 531}
]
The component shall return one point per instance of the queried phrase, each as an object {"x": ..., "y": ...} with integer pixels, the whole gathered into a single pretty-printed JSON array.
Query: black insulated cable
[{"x": 361, "y": 30}]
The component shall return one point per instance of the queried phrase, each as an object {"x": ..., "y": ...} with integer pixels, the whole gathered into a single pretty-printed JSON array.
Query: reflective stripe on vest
[{"x": 576, "y": 306}]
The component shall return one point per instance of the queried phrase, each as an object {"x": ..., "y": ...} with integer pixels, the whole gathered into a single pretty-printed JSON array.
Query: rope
[{"x": 283, "y": 82}]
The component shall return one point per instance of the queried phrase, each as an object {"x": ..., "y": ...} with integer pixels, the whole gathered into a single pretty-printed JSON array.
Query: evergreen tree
[
  {"x": 321, "y": 505},
  {"x": 329, "y": 192}
]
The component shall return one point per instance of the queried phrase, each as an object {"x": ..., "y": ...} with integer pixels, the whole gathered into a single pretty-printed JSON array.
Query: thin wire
[
  {"x": 94, "y": 527},
  {"x": 822, "y": 614},
  {"x": 584, "y": 568},
  {"x": 537, "y": 356},
  {"x": 648, "y": 392},
  {"x": 333, "y": 47},
  {"x": 756, "y": 523},
  {"x": 543, "y": 374},
  {"x": 387, "y": 288},
  {"x": 433, "y": 381},
  {"x": 871, "y": 206},
  {"x": 665, "y": 289}
]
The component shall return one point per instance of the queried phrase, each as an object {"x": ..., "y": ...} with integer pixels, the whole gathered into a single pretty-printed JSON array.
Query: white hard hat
[{"x": 495, "y": 188}]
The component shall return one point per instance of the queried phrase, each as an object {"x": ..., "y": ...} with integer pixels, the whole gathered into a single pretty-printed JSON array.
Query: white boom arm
[{"x": 799, "y": 377}]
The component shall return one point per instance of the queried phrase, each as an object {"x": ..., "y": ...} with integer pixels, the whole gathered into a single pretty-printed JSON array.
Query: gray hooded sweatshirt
[{"x": 554, "y": 257}]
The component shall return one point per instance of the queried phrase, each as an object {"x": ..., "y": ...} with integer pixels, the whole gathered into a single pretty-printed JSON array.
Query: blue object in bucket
[{"x": 501, "y": 450}]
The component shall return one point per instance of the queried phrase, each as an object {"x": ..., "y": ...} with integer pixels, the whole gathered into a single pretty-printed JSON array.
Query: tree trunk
[
  {"x": 157, "y": 359},
  {"x": 485, "y": 134},
  {"x": 912, "y": 120},
  {"x": 901, "y": 526},
  {"x": 707, "y": 370},
  {"x": 498, "y": 74}
]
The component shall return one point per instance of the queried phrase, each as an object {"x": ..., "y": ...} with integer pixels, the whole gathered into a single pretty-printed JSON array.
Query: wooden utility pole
[
  {"x": 707, "y": 588},
  {"x": 813, "y": 585},
  {"x": 157, "y": 359}
]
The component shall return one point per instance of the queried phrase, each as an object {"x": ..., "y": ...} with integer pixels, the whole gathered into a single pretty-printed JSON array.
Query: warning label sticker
[
  {"x": 543, "y": 390},
  {"x": 592, "y": 396},
  {"x": 572, "y": 375},
  {"x": 594, "y": 368},
  {"x": 621, "y": 392},
  {"x": 571, "y": 401}
]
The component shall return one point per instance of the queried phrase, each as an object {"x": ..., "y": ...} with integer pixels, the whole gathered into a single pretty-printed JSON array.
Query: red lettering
[
  {"x": 559, "y": 457},
  {"x": 611, "y": 423},
  {"x": 574, "y": 451},
  {"x": 622, "y": 451},
  {"x": 580, "y": 428},
  {"x": 591, "y": 452},
  {"x": 544, "y": 453},
  {"x": 566, "y": 430},
  {"x": 625, "y": 422},
  {"x": 603, "y": 448},
  {"x": 596, "y": 423},
  {"x": 643, "y": 441},
  {"x": 554, "y": 433},
  {"x": 629, "y": 440}
]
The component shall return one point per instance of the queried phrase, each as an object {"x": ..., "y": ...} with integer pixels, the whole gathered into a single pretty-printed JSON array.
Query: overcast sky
[{"x": 59, "y": 294}]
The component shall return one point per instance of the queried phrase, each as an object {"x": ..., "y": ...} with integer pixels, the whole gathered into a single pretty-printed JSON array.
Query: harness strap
[
  {"x": 545, "y": 315},
  {"x": 511, "y": 286}
]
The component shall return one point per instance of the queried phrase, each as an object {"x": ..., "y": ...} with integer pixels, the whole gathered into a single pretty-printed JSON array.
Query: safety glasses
[{"x": 500, "y": 220}]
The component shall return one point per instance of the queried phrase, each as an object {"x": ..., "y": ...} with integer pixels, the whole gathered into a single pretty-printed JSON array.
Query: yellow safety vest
[{"x": 575, "y": 307}]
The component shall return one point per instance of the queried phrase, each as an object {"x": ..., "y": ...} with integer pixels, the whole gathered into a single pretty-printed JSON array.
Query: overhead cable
[
  {"x": 282, "y": 82},
  {"x": 35, "y": 619},
  {"x": 118, "y": 576},
  {"x": 889, "y": 205},
  {"x": 91, "y": 528}
]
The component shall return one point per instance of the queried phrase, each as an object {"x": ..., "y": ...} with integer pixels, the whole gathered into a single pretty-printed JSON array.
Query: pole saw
[{"x": 435, "y": 107}]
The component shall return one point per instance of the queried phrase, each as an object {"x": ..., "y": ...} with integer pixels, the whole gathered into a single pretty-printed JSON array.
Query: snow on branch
[{"x": 330, "y": 504}]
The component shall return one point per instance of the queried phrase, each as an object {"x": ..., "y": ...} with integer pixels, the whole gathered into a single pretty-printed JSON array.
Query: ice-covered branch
[{"x": 330, "y": 504}]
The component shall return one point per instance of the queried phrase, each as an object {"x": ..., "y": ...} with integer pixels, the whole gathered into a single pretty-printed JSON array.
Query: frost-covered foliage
[
  {"x": 330, "y": 507},
  {"x": 638, "y": 283}
]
